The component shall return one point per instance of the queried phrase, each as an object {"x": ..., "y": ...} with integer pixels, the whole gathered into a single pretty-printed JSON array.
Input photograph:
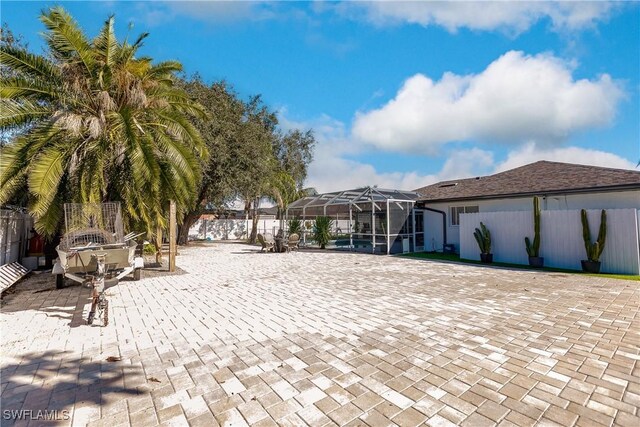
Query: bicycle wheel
[
  {"x": 105, "y": 311},
  {"x": 92, "y": 312}
]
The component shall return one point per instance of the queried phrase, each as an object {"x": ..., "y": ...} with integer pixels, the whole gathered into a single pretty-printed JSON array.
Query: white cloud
[
  {"x": 466, "y": 163},
  {"x": 221, "y": 12},
  {"x": 530, "y": 153},
  {"x": 335, "y": 165},
  {"x": 516, "y": 98},
  {"x": 509, "y": 16},
  {"x": 330, "y": 171},
  {"x": 333, "y": 169}
]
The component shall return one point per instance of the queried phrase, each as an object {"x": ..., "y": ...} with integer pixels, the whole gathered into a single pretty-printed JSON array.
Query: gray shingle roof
[{"x": 541, "y": 177}]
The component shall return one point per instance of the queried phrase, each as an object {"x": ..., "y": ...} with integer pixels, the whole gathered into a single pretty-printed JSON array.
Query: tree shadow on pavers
[
  {"x": 53, "y": 383},
  {"x": 251, "y": 251},
  {"x": 68, "y": 303}
]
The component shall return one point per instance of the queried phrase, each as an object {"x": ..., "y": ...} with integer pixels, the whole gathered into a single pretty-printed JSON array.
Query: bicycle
[{"x": 99, "y": 300}]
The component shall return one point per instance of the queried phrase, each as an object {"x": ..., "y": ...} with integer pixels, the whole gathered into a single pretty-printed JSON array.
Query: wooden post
[
  {"x": 159, "y": 245},
  {"x": 172, "y": 236}
]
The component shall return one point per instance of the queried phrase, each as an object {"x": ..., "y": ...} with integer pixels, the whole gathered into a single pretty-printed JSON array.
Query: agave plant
[
  {"x": 322, "y": 231},
  {"x": 95, "y": 122}
]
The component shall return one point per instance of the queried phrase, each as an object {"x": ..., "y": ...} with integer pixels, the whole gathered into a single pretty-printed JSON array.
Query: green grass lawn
[{"x": 437, "y": 256}]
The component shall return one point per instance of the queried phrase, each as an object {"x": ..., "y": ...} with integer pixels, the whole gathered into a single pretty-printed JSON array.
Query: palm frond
[
  {"x": 46, "y": 172},
  {"x": 45, "y": 176},
  {"x": 178, "y": 125},
  {"x": 48, "y": 221},
  {"x": 65, "y": 38},
  {"x": 106, "y": 43},
  {"x": 178, "y": 155},
  {"x": 23, "y": 62},
  {"x": 128, "y": 51},
  {"x": 20, "y": 87},
  {"x": 171, "y": 183},
  {"x": 16, "y": 114},
  {"x": 164, "y": 70},
  {"x": 140, "y": 158},
  {"x": 40, "y": 137},
  {"x": 12, "y": 186},
  {"x": 14, "y": 160}
]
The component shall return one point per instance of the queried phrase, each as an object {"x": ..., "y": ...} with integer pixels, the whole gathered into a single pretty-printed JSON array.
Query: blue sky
[{"x": 403, "y": 94}]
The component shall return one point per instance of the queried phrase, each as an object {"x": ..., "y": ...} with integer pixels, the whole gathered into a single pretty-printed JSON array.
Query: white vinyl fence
[
  {"x": 237, "y": 229},
  {"x": 561, "y": 243}
]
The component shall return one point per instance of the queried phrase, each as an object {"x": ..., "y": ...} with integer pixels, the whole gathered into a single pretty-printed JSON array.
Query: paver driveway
[{"x": 328, "y": 338}]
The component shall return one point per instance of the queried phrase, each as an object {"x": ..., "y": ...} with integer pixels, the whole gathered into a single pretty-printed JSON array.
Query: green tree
[
  {"x": 96, "y": 122},
  {"x": 256, "y": 158},
  {"x": 252, "y": 158},
  {"x": 221, "y": 133},
  {"x": 240, "y": 135},
  {"x": 293, "y": 152}
]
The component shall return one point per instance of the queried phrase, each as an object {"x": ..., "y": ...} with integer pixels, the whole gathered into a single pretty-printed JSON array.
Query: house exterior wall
[{"x": 605, "y": 200}]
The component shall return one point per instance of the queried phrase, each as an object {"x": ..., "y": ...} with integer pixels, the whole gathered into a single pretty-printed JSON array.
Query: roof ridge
[{"x": 542, "y": 175}]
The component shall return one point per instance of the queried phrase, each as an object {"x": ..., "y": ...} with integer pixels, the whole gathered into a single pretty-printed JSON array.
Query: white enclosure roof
[{"x": 357, "y": 195}]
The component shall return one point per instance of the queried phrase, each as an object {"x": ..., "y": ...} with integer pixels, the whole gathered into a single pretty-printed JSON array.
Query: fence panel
[
  {"x": 562, "y": 245},
  {"x": 238, "y": 229},
  {"x": 508, "y": 230},
  {"x": 14, "y": 228}
]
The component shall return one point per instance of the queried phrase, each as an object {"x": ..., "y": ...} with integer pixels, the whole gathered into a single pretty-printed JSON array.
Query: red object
[{"x": 36, "y": 244}]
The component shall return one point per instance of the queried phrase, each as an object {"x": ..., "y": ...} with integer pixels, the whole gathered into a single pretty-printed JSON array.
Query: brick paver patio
[{"x": 327, "y": 338}]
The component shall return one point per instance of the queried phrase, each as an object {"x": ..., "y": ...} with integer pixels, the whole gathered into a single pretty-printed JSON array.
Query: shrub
[
  {"x": 295, "y": 226},
  {"x": 149, "y": 249},
  {"x": 322, "y": 231}
]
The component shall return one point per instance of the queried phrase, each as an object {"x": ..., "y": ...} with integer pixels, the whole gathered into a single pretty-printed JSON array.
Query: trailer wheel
[
  {"x": 59, "y": 281},
  {"x": 137, "y": 273}
]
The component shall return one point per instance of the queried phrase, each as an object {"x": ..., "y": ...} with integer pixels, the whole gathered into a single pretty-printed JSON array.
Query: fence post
[
  {"x": 159, "y": 245},
  {"x": 172, "y": 236}
]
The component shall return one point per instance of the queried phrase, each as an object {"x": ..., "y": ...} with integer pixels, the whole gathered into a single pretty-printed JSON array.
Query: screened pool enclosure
[{"x": 368, "y": 219}]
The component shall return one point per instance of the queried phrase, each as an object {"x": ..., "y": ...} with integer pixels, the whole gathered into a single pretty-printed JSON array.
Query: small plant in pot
[
  {"x": 483, "y": 237},
  {"x": 594, "y": 250},
  {"x": 533, "y": 249}
]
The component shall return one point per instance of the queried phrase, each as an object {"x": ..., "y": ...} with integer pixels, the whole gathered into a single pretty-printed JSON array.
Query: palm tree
[
  {"x": 95, "y": 122},
  {"x": 283, "y": 190}
]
